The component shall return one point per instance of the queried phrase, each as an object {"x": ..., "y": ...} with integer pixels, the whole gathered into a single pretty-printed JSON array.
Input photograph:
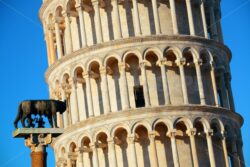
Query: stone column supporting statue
[
  {"x": 105, "y": 91},
  {"x": 199, "y": 80},
  {"x": 89, "y": 95}
]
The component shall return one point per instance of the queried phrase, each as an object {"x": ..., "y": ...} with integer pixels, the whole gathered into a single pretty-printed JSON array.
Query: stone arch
[
  {"x": 98, "y": 61},
  {"x": 219, "y": 123},
  {"x": 101, "y": 141},
  {"x": 109, "y": 56},
  {"x": 82, "y": 136},
  {"x": 188, "y": 123},
  {"x": 192, "y": 51},
  {"x": 207, "y": 55},
  {"x": 144, "y": 123},
  {"x": 120, "y": 125},
  {"x": 135, "y": 52},
  {"x": 58, "y": 10},
  {"x": 65, "y": 77},
  {"x": 69, "y": 145},
  {"x": 204, "y": 122},
  {"x": 166, "y": 122},
  {"x": 99, "y": 131},
  {"x": 154, "y": 50},
  {"x": 75, "y": 69},
  {"x": 62, "y": 151}
]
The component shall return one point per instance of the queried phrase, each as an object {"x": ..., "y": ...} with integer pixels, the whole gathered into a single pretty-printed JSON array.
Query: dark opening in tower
[{"x": 139, "y": 96}]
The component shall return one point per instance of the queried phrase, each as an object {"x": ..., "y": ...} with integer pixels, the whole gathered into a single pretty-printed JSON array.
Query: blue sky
[{"x": 24, "y": 61}]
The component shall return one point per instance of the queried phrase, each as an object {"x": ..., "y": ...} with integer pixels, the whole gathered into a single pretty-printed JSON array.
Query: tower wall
[{"x": 147, "y": 83}]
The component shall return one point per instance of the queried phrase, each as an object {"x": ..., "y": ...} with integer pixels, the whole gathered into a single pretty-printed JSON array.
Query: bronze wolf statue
[{"x": 47, "y": 108}]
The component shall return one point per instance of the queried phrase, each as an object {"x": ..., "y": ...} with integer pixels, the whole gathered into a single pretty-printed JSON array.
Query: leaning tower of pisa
[{"x": 147, "y": 83}]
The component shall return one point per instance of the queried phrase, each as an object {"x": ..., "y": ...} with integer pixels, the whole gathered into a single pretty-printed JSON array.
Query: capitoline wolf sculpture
[{"x": 47, "y": 108}]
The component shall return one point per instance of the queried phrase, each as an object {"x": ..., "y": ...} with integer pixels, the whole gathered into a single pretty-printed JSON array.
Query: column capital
[
  {"x": 65, "y": 13},
  {"x": 103, "y": 70},
  {"x": 198, "y": 61},
  {"x": 191, "y": 132},
  {"x": 171, "y": 133},
  {"x": 162, "y": 62},
  {"x": 209, "y": 132},
  {"x": 95, "y": 2},
  {"x": 152, "y": 134},
  {"x": 181, "y": 61},
  {"x": 131, "y": 138}
]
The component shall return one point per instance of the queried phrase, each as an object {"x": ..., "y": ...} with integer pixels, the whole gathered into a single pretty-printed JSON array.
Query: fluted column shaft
[
  {"x": 131, "y": 141},
  {"x": 58, "y": 41},
  {"x": 145, "y": 84},
  {"x": 69, "y": 44},
  {"x": 112, "y": 153},
  {"x": 172, "y": 134},
  {"x": 124, "y": 86},
  {"x": 117, "y": 21},
  {"x": 82, "y": 25},
  {"x": 153, "y": 151},
  {"x": 99, "y": 34},
  {"x": 200, "y": 83},
  {"x": 74, "y": 102},
  {"x": 183, "y": 80},
  {"x": 105, "y": 92},
  {"x": 89, "y": 95},
  {"x": 203, "y": 17},
  {"x": 165, "y": 82},
  {"x": 190, "y": 17},
  {"x": 173, "y": 16},
  {"x": 209, "y": 133},
  {"x": 191, "y": 133},
  {"x": 156, "y": 17},
  {"x": 136, "y": 19}
]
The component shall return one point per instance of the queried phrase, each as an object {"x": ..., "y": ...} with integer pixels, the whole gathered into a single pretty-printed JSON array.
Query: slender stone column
[
  {"x": 145, "y": 84},
  {"x": 209, "y": 133},
  {"x": 95, "y": 160},
  {"x": 112, "y": 153},
  {"x": 51, "y": 46},
  {"x": 65, "y": 114},
  {"x": 224, "y": 96},
  {"x": 214, "y": 84},
  {"x": 74, "y": 101},
  {"x": 136, "y": 19},
  {"x": 82, "y": 25},
  {"x": 239, "y": 145},
  {"x": 156, "y": 17},
  {"x": 80, "y": 158},
  {"x": 173, "y": 16},
  {"x": 98, "y": 23},
  {"x": 124, "y": 86},
  {"x": 172, "y": 134},
  {"x": 230, "y": 93},
  {"x": 203, "y": 17},
  {"x": 105, "y": 91},
  {"x": 235, "y": 159},
  {"x": 133, "y": 158},
  {"x": 213, "y": 26},
  {"x": 69, "y": 163},
  {"x": 191, "y": 133},
  {"x": 181, "y": 63},
  {"x": 69, "y": 44},
  {"x": 199, "y": 80},
  {"x": 46, "y": 36},
  {"x": 117, "y": 21},
  {"x": 190, "y": 17},
  {"x": 165, "y": 81},
  {"x": 224, "y": 146},
  {"x": 58, "y": 40},
  {"x": 89, "y": 95},
  {"x": 153, "y": 152},
  {"x": 218, "y": 22}
]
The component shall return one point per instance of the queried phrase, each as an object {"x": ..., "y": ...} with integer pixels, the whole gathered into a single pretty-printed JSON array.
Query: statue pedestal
[{"x": 37, "y": 140}]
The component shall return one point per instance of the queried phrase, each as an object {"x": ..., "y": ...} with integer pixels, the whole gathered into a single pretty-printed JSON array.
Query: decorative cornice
[{"x": 184, "y": 38}]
